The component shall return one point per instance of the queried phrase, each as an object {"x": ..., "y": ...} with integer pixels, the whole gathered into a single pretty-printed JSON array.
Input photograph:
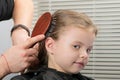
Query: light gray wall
[{"x": 5, "y": 40}]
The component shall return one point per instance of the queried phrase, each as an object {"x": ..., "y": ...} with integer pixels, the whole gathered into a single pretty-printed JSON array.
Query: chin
[{"x": 74, "y": 72}]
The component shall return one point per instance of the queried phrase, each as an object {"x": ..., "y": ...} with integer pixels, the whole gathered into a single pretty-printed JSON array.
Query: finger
[
  {"x": 31, "y": 41},
  {"x": 36, "y": 46},
  {"x": 32, "y": 59},
  {"x": 31, "y": 52}
]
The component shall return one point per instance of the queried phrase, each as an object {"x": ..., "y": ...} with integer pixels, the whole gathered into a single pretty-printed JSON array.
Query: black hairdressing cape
[
  {"x": 49, "y": 74},
  {"x": 6, "y": 9}
]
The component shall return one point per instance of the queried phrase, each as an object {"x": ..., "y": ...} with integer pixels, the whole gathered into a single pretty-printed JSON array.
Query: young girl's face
[{"x": 71, "y": 51}]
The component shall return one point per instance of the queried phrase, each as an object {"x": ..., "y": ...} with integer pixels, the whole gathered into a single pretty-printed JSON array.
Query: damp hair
[{"x": 61, "y": 19}]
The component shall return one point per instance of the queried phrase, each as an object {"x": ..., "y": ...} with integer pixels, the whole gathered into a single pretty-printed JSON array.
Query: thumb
[{"x": 31, "y": 41}]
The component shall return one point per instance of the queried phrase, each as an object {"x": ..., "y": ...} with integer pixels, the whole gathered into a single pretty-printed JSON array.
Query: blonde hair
[{"x": 61, "y": 19}]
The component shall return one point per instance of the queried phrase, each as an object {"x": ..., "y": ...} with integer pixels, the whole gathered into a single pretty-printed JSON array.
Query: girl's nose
[{"x": 83, "y": 54}]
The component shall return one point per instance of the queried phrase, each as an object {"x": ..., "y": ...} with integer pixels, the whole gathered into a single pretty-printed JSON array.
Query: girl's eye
[
  {"x": 77, "y": 46},
  {"x": 88, "y": 50}
]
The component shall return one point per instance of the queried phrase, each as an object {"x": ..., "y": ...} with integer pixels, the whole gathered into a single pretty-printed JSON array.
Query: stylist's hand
[{"x": 20, "y": 57}]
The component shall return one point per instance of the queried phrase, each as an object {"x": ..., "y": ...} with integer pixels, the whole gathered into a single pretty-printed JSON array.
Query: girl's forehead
[
  {"x": 76, "y": 29},
  {"x": 77, "y": 34}
]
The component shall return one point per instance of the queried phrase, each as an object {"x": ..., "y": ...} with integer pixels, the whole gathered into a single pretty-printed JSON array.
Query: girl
[{"x": 66, "y": 49}]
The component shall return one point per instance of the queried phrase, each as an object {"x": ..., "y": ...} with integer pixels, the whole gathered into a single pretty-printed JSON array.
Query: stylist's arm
[{"x": 19, "y": 57}]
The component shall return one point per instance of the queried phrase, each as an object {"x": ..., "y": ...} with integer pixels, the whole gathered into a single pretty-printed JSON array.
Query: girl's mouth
[{"x": 80, "y": 64}]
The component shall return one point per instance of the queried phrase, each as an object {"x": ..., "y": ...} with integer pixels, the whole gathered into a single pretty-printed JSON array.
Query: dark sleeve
[
  {"x": 6, "y": 9},
  {"x": 19, "y": 78},
  {"x": 26, "y": 76}
]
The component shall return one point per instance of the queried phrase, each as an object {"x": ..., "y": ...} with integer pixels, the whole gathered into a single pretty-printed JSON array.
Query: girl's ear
[{"x": 49, "y": 44}]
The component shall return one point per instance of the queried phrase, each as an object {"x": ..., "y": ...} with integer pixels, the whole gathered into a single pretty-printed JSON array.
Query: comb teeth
[{"x": 51, "y": 27}]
